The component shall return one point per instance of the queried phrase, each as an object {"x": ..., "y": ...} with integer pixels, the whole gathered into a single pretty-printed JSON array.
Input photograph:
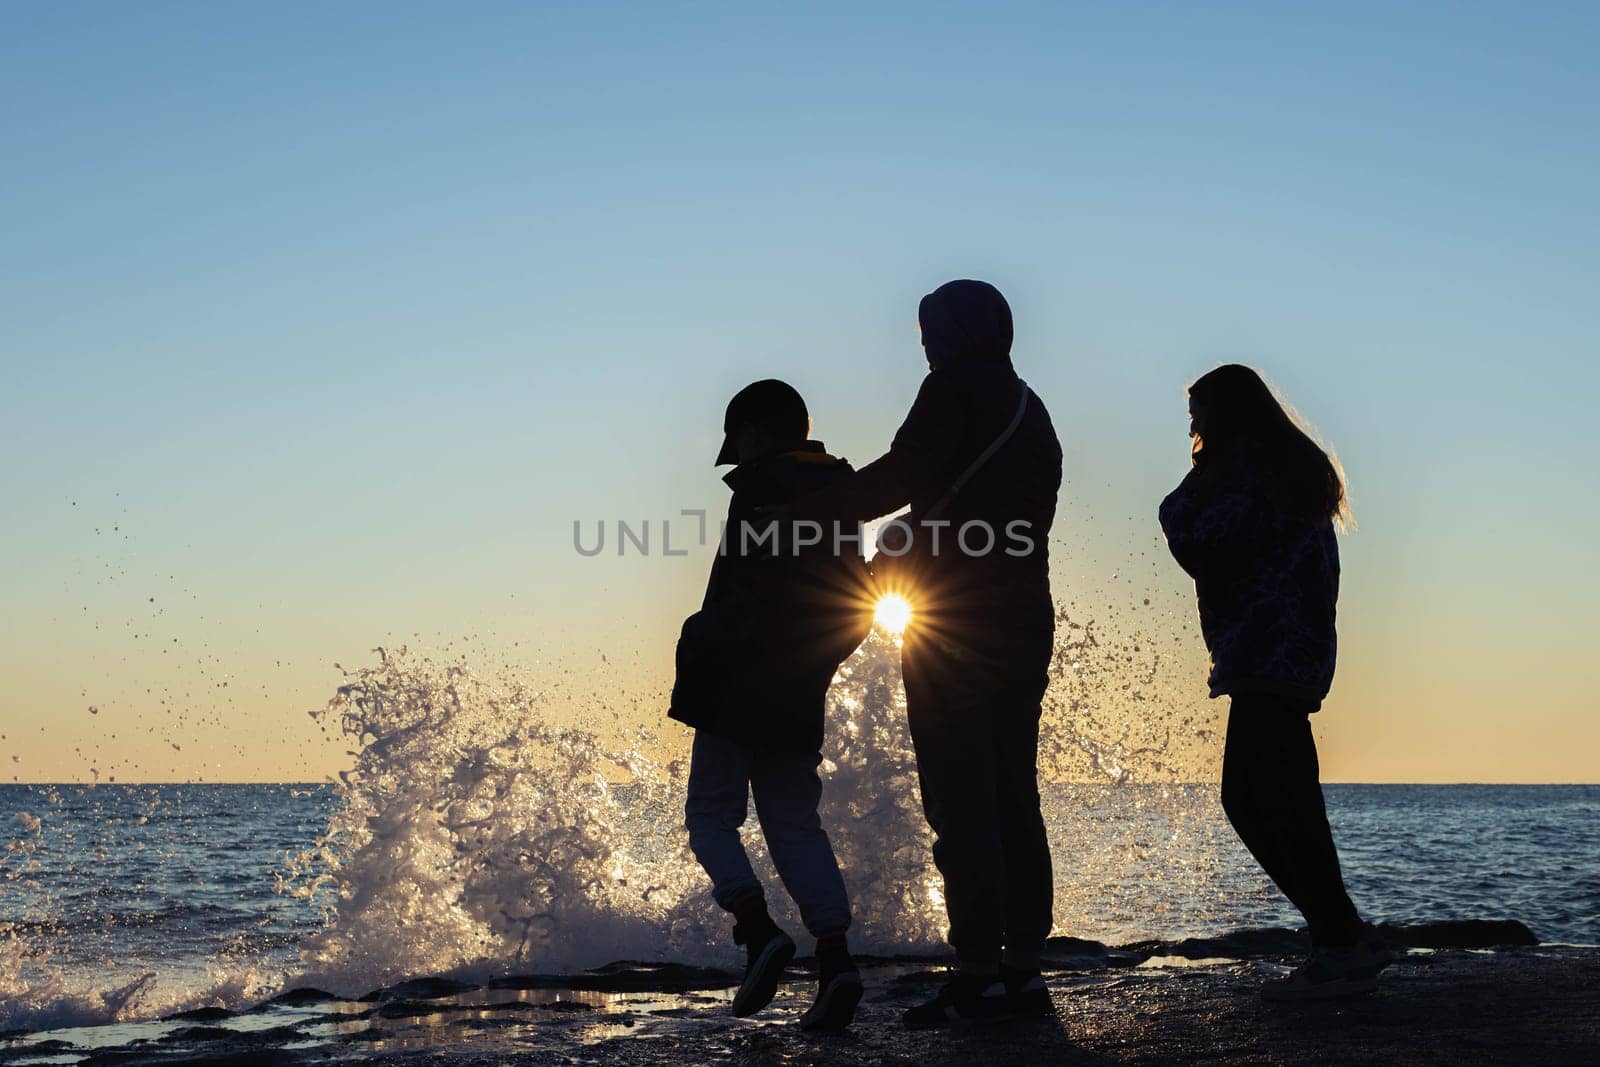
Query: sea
[{"x": 474, "y": 837}]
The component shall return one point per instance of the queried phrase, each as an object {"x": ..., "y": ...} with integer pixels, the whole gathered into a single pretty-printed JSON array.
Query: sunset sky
[{"x": 322, "y": 326}]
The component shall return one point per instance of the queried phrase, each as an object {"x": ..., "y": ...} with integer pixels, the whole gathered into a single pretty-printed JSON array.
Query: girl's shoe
[
  {"x": 1330, "y": 974},
  {"x": 1372, "y": 939}
]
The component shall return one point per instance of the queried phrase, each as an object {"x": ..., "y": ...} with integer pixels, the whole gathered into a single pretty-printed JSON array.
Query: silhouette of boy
[{"x": 754, "y": 665}]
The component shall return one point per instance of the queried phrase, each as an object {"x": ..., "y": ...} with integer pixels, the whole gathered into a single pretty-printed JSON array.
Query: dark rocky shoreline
[{"x": 1463, "y": 993}]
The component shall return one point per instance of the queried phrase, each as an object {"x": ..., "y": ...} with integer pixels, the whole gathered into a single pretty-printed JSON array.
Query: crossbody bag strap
[{"x": 983, "y": 457}]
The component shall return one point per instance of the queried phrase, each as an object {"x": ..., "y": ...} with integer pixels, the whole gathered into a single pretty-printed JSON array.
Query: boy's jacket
[{"x": 754, "y": 663}]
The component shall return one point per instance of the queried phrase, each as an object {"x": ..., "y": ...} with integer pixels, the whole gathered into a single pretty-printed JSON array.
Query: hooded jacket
[
  {"x": 1266, "y": 575},
  {"x": 967, "y": 399},
  {"x": 755, "y": 662}
]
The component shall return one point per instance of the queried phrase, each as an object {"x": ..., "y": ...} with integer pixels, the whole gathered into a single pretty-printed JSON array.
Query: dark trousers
[
  {"x": 1273, "y": 797},
  {"x": 975, "y": 727},
  {"x": 723, "y": 774}
]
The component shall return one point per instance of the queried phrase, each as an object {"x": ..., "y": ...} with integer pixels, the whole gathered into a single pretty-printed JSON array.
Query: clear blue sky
[{"x": 342, "y": 313}]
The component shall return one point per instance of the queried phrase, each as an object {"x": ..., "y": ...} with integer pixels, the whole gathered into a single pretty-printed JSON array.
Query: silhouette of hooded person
[{"x": 978, "y": 462}]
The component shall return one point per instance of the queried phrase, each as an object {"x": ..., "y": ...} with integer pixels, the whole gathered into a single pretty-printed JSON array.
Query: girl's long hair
[{"x": 1240, "y": 407}]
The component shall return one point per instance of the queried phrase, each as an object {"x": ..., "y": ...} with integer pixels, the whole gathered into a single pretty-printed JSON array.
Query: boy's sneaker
[
  {"x": 838, "y": 992},
  {"x": 964, "y": 999},
  {"x": 1329, "y": 974},
  {"x": 769, "y": 950},
  {"x": 1026, "y": 993}
]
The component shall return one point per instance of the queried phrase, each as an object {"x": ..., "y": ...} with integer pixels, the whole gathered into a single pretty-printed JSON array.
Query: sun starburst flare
[{"x": 893, "y": 613}]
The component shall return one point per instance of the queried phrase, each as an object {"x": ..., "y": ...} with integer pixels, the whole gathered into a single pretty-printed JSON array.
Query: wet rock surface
[{"x": 1487, "y": 998}]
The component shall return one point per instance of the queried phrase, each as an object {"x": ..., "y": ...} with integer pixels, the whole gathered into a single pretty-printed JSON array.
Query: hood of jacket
[{"x": 966, "y": 323}]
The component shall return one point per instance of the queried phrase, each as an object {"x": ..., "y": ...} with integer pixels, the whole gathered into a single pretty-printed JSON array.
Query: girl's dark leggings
[{"x": 1273, "y": 797}]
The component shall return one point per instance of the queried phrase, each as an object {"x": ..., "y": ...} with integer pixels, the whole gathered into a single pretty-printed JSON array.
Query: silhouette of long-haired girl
[{"x": 1253, "y": 524}]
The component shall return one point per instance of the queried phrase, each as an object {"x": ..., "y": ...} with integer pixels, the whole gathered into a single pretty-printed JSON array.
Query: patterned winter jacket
[{"x": 1267, "y": 580}]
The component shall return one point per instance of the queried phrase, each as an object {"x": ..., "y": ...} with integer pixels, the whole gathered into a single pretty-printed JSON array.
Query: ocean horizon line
[{"x": 306, "y": 783}]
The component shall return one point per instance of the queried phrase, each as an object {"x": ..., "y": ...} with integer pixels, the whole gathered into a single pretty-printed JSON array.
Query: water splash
[
  {"x": 477, "y": 837},
  {"x": 475, "y": 834},
  {"x": 478, "y": 832},
  {"x": 1121, "y": 707}
]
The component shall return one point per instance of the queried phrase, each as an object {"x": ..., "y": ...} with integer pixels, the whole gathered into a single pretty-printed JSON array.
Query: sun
[{"x": 893, "y": 613}]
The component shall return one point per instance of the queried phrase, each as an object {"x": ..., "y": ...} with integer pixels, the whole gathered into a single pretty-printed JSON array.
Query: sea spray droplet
[
  {"x": 479, "y": 831},
  {"x": 477, "y": 836}
]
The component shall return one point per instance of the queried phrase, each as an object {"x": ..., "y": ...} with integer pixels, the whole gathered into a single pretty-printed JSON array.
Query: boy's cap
[{"x": 768, "y": 402}]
